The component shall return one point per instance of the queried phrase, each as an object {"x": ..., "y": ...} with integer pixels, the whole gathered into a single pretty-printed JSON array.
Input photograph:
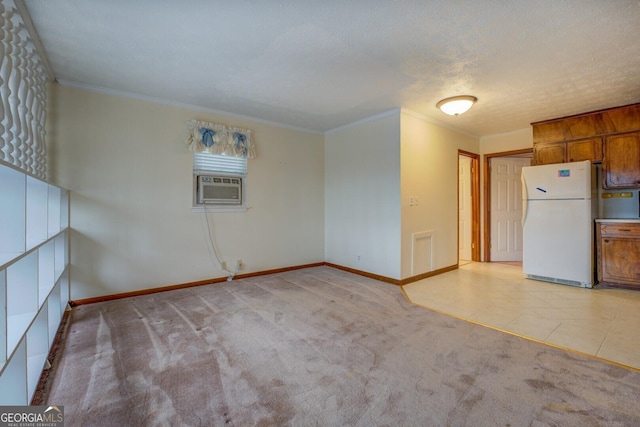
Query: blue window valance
[{"x": 215, "y": 138}]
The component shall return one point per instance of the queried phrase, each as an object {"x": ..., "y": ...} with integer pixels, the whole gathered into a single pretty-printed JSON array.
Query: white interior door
[
  {"x": 464, "y": 208},
  {"x": 506, "y": 208}
]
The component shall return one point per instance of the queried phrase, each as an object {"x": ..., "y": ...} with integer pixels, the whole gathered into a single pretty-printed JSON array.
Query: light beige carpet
[{"x": 319, "y": 346}]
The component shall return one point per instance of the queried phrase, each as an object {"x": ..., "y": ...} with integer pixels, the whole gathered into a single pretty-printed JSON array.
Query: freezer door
[
  {"x": 557, "y": 181},
  {"x": 558, "y": 242}
]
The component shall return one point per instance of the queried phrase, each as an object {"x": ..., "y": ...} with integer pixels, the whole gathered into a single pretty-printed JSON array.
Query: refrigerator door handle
[{"x": 525, "y": 200}]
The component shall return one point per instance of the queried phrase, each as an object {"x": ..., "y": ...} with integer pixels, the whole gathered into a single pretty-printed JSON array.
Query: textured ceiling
[{"x": 319, "y": 65}]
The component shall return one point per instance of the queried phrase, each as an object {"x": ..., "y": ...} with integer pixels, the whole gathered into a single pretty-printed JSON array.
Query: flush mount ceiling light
[{"x": 456, "y": 104}]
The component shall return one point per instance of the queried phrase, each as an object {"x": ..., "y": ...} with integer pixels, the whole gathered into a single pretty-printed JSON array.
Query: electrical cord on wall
[{"x": 230, "y": 274}]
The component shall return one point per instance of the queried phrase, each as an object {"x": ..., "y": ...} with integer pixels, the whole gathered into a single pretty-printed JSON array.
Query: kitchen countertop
[{"x": 634, "y": 220}]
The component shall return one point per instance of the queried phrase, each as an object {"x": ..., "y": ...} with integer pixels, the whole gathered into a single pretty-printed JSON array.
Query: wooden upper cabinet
[
  {"x": 585, "y": 149},
  {"x": 573, "y": 151},
  {"x": 580, "y": 137},
  {"x": 549, "y": 152},
  {"x": 621, "y": 164},
  {"x": 622, "y": 119},
  {"x": 549, "y": 131},
  {"x": 567, "y": 129},
  {"x": 588, "y": 125},
  {"x": 582, "y": 126}
]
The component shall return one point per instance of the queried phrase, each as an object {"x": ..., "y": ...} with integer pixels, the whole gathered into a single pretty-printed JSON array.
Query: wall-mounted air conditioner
[{"x": 219, "y": 190}]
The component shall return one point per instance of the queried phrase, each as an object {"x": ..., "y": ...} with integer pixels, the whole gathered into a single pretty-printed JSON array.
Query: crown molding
[
  {"x": 162, "y": 101},
  {"x": 438, "y": 123},
  {"x": 365, "y": 120}
]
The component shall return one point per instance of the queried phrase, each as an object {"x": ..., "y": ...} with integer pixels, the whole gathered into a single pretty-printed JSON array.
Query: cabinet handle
[
  {"x": 625, "y": 229},
  {"x": 606, "y": 240}
]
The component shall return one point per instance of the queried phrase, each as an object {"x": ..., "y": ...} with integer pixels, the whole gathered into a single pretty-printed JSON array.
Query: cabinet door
[
  {"x": 585, "y": 149},
  {"x": 621, "y": 163},
  {"x": 620, "y": 260},
  {"x": 549, "y": 152}
]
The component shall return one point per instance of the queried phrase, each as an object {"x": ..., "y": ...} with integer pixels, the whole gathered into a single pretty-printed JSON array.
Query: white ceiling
[{"x": 319, "y": 65}]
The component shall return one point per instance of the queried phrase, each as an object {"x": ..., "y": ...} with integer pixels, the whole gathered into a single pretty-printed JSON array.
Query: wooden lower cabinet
[{"x": 618, "y": 253}]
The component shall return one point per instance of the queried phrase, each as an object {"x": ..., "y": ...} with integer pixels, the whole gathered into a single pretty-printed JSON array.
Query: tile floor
[{"x": 600, "y": 322}]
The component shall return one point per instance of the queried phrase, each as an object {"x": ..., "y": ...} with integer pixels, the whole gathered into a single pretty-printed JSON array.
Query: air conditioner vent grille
[{"x": 219, "y": 190}]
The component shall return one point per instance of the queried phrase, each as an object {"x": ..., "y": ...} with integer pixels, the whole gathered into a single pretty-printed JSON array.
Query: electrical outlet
[{"x": 240, "y": 265}]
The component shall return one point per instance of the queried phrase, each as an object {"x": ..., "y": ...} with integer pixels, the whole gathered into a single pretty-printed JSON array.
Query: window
[
  {"x": 219, "y": 182},
  {"x": 220, "y": 156}
]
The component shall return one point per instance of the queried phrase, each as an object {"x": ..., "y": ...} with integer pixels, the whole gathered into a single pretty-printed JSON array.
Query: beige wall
[
  {"x": 362, "y": 196},
  {"x": 343, "y": 197},
  {"x": 130, "y": 177},
  {"x": 430, "y": 175},
  {"x": 372, "y": 172},
  {"x": 509, "y": 141}
]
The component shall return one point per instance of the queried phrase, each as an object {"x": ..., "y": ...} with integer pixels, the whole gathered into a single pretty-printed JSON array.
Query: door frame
[
  {"x": 475, "y": 203},
  {"x": 486, "y": 175}
]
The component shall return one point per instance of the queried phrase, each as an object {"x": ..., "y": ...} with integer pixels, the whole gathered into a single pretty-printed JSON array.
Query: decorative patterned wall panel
[{"x": 22, "y": 94}]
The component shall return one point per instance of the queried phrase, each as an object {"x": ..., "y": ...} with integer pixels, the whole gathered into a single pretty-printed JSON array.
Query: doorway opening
[
  {"x": 468, "y": 207},
  {"x": 503, "y": 205}
]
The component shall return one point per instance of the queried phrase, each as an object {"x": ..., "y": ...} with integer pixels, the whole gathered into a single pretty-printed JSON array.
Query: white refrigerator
[{"x": 559, "y": 208}]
